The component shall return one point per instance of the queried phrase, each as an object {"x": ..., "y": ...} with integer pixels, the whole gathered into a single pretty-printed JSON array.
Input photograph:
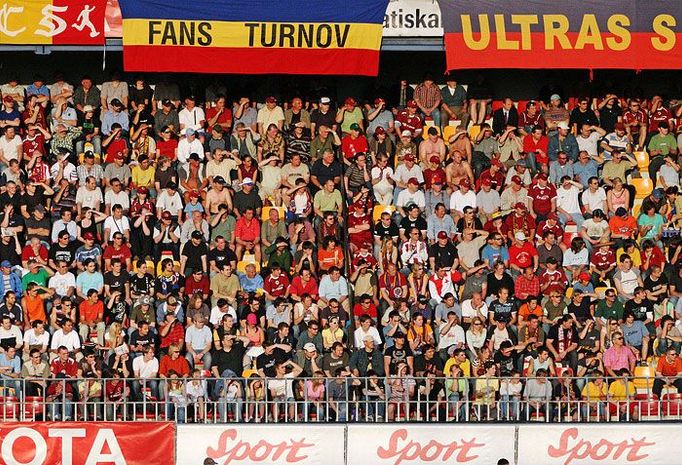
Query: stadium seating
[{"x": 643, "y": 187}]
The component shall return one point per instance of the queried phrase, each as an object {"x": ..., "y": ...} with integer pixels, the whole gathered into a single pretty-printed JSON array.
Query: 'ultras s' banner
[
  {"x": 52, "y": 22},
  {"x": 617, "y": 34},
  {"x": 253, "y": 36}
]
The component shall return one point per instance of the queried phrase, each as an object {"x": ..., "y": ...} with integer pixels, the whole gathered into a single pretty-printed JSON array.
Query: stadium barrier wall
[{"x": 132, "y": 443}]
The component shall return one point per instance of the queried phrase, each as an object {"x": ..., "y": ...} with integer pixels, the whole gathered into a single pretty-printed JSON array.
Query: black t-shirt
[
  {"x": 506, "y": 362},
  {"x": 194, "y": 254},
  {"x": 59, "y": 253},
  {"x": 434, "y": 366},
  {"x": 408, "y": 223},
  {"x": 143, "y": 95},
  {"x": 324, "y": 172},
  {"x": 116, "y": 283},
  {"x": 148, "y": 339},
  {"x": 640, "y": 310},
  {"x": 653, "y": 286},
  {"x": 502, "y": 311},
  {"x": 231, "y": 360},
  {"x": 267, "y": 363},
  {"x": 31, "y": 201},
  {"x": 443, "y": 256},
  {"x": 8, "y": 252},
  {"x": 581, "y": 311},
  {"x": 590, "y": 339},
  {"x": 319, "y": 118},
  {"x": 397, "y": 356},
  {"x": 242, "y": 201},
  {"x": 141, "y": 284},
  {"x": 495, "y": 284},
  {"x": 221, "y": 257},
  {"x": 117, "y": 312},
  {"x": 382, "y": 231}
]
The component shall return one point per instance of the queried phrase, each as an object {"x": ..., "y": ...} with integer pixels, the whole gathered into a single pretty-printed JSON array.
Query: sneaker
[{"x": 369, "y": 418}]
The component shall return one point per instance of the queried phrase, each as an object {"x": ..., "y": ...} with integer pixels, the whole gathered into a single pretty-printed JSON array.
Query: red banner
[
  {"x": 52, "y": 443},
  {"x": 614, "y": 34}
]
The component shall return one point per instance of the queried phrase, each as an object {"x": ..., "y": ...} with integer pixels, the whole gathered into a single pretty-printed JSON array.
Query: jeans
[
  {"x": 206, "y": 359},
  {"x": 457, "y": 409},
  {"x": 138, "y": 386},
  {"x": 60, "y": 409},
  {"x": 509, "y": 407},
  {"x": 230, "y": 408},
  {"x": 176, "y": 411},
  {"x": 577, "y": 218}
]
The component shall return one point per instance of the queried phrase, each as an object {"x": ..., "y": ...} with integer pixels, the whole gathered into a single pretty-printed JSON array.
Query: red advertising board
[{"x": 120, "y": 443}]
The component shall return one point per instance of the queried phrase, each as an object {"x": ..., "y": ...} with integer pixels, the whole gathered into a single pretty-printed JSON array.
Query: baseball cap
[
  {"x": 8, "y": 99},
  {"x": 379, "y": 130},
  {"x": 413, "y": 181},
  {"x": 406, "y": 133},
  {"x": 251, "y": 318},
  {"x": 442, "y": 235},
  {"x": 620, "y": 126},
  {"x": 325, "y": 101},
  {"x": 219, "y": 180},
  {"x": 486, "y": 182},
  {"x": 5, "y": 264},
  {"x": 349, "y": 101},
  {"x": 116, "y": 102},
  {"x": 89, "y": 154},
  {"x": 197, "y": 235},
  {"x": 520, "y": 205},
  {"x": 437, "y": 180},
  {"x": 584, "y": 276},
  {"x": 355, "y": 127},
  {"x": 411, "y": 104},
  {"x": 171, "y": 300},
  {"x": 194, "y": 194},
  {"x": 309, "y": 347},
  {"x": 562, "y": 125},
  {"x": 87, "y": 108},
  {"x": 553, "y": 216},
  {"x": 88, "y": 236},
  {"x": 542, "y": 176},
  {"x": 434, "y": 159},
  {"x": 166, "y": 102},
  {"x": 247, "y": 182},
  {"x": 520, "y": 235},
  {"x": 408, "y": 157},
  {"x": 271, "y": 99},
  {"x": 516, "y": 179},
  {"x": 465, "y": 182},
  {"x": 378, "y": 100},
  {"x": 555, "y": 97},
  {"x": 142, "y": 190},
  {"x": 497, "y": 163},
  {"x": 194, "y": 156},
  {"x": 658, "y": 193}
]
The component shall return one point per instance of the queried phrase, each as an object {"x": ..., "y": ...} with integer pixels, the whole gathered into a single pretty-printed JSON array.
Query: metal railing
[{"x": 351, "y": 399}]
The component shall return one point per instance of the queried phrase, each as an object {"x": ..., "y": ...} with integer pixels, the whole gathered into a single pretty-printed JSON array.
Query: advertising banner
[
  {"x": 282, "y": 444},
  {"x": 413, "y": 18},
  {"x": 429, "y": 444},
  {"x": 253, "y": 36},
  {"x": 616, "y": 34},
  {"x": 621, "y": 444},
  {"x": 56, "y": 22},
  {"x": 71, "y": 443}
]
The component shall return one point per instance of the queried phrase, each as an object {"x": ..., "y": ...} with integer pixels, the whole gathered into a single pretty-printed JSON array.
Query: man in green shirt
[
  {"x": 328, "y": 200},
  {"x": 38, "y": 274},
  {"x": 661, "y": 145},
  {"x": 454, "y": 102},
  {"x": 609, "y": 308}
]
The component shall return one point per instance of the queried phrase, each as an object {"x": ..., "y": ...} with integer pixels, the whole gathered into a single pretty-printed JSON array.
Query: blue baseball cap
[{"x": 5, "y": 264}]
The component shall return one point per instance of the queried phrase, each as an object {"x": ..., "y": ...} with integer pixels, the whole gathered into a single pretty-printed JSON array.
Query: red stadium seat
[
  {"x": 34, "y": 408},
  {"x": 497, "y": 104},
  {"x": 10, "y": 409}
]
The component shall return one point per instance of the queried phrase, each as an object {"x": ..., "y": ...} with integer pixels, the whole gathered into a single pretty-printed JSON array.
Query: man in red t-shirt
[
  {"x": 91, "y": 312},
  {"x": 669, "y": 366},
  {"x": 304, "y": 283},
  {"x": 543, "y": 196},
  {"x": 522, "y": 254},
  {"x": 493, "y": 174},
  {"x": 636, "y": 121},
  {"x": 276, "y": 284},
  {"x": 536, "y": 144},
  {"x": 409, "y": 120},
  {"x": 218, "y": 115},
  {"x": 359, "y": 227}
]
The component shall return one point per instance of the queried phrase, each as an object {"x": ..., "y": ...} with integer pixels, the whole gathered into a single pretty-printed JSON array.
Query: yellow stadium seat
[
  {"x": 379, "y": 209},
  {"x": 643, "y": 187},
  {"x": 644, "y": 377},
  {"x": 176, "y": 264},
  {"x": 448, "y": 132},
  {"x": 425, "y": 131},
  {"x": 248, "y": 259},
  {"x": 265, "y": 213},
  {"x": 600, "y": 291},
  {"x": 474, "y": 131},
  {"x": 642, "y": 160},
  {"x": 569, "y": 292},
  {"x": 150, "y": 266}
]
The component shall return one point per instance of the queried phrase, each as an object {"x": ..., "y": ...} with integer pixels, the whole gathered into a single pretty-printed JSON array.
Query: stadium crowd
[{"x": 431, "y": 243}]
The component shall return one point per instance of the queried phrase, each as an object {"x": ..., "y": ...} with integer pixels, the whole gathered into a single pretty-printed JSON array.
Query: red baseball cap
[
  {"x": 413, "y": 181},
  {"x": 520, "y": 205},
  {"x": 442, "y": 235},
  {"x": 497, "y": 163},
  {"x": 379, "y": 130},
  {"x": 378, "y": 100},
  {"x": 486, "y": 182},
  {"x": 516, "y": 179},
  {"x": 620, "y": 126},
  {"x": 349, "y": 101},
  {"x": 465, "y": 182},
  {"x": 553, "y": 216},
  {"x": 434, "y": 159},
  {"x": 142, "y": 190},
  {"x": 411, "y": 104},
  {"x": 584, "y": 276},
  {"x": 542, "y": 176},
  {"x": 88, "y": 236}
]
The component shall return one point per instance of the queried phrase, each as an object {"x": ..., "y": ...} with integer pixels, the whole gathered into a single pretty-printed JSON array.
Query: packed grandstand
[{"x": 428, "y": 254}]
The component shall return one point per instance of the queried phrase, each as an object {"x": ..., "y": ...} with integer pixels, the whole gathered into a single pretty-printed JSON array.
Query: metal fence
[{"x": 310, "y": 400}]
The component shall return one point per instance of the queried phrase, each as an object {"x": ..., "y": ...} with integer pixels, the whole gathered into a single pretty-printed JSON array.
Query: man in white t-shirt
[
  {"x": 116, "y": 223},
  {"x": 63, "y": 281},
  {"x": 191, "y": 117},
  {"x": 11, "y": 147},
  {"x": 567, "y": 205},
  {"x": 588, "y": 139},
  {"x": 464, "y": 197},
  {"x": 68, "y": 338},
  {"x": 145, "y": 367},
  {"x": 594, "y": 197},
  {"x": 270, "y": 113}
]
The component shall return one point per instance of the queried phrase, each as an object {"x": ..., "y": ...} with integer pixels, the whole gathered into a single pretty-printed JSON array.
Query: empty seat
[
  {"x": 642, "y": 160},
  {"x": 380, "y": 209},
  {"x": 643, "y": 187}
]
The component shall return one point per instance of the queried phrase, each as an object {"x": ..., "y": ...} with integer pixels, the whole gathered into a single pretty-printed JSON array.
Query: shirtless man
[
  {"x": 458, "y": 169},
  {"x": 218, "y": 195}
]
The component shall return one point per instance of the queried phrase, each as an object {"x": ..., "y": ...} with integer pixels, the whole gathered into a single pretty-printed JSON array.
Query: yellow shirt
[
  {"x": 143, "y": 177},
  {"x": 464, "y": 366},
  {"x": 635, "y": 256},
  {"x": 621, "y": 391},
  {"x": 592, "y": 392}
]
